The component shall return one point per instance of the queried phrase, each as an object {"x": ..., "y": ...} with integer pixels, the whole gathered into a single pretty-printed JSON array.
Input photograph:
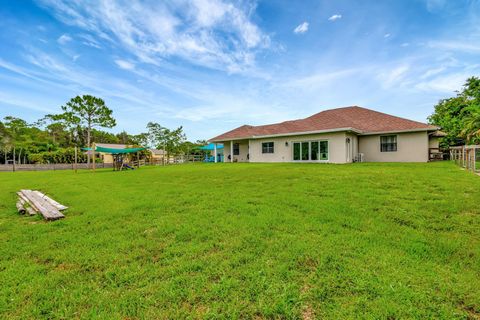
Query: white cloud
[
  {"x": 37, "y": 105},
  {"x": 393, "y": 76},
  {"x": 213, "y": 34},
  {"x": 301, "y": 28},
  {"x": 432, "y": 72},
  {"x": 335, "y": 17},
  {"x": 75, "y": 57},
  {"x": 127, "y": 65},
  {"x": 434, "y": 5},
  {"x": 90, "y": 41},
  {"x": 462, "y": 46},
  {"x": 320, "y": 79},
  {"x": 445, "y": 83},
  {"x": 64, "y": 38},
  {"x": 387, "y": 35}
]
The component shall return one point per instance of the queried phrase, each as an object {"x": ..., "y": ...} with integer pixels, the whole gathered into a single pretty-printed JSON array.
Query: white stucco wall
[
  {"x": 284, "y": 153},
  {"x": 242, "y": 157},
  {"x": 351, "y": 149},
  {"x": 411, "y": 147},
  {"x": 434, "y": 142}
]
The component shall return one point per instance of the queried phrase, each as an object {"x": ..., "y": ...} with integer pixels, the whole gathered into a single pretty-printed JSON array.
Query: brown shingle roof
[{"x": 353, "y": 118}]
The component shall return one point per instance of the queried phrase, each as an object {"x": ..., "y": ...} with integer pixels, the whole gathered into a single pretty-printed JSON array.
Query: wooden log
[
  {"x": 20, "y": 207},
  {"x": 48, "y": 211},
  {"x": 25, "y": 199},
  {"x": 51, "y": 201},
  {"x": 31, "y": 210}
]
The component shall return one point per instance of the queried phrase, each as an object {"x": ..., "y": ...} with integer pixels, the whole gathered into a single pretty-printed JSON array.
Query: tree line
[
  {"x": 53, "y": 138},
  {"x": 459, "y": 116}
]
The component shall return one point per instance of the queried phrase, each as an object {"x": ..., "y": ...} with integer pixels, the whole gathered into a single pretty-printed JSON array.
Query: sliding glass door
[
  {"x": 323, "y": 150},
  {"x": 310, "y": 150},
  {"x": 296, "y": 151}
]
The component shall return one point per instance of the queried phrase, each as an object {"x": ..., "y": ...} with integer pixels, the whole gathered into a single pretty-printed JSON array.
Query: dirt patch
[
  {"x": 472, "y": 312},
  {"x": 307, "y": 313}
]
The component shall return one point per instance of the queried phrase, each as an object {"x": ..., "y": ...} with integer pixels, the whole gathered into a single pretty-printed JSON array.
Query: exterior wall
[
  {"x": 157, "y": 158},
  {"x": 242, "y": 157},
  {"x": 284, "y": 153},
  {"x": 351, "y": 149},
  {"x": 411, "y": 147},
  {"x": 106, "y": 157},
  {"x": 434, "y": 142}
]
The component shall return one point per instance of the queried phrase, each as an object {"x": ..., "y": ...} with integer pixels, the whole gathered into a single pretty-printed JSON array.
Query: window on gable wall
[{"x": 388, "y": 143}]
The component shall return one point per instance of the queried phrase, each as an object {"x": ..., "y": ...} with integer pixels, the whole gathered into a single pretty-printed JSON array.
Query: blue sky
[{"x": 214, "y": 65}]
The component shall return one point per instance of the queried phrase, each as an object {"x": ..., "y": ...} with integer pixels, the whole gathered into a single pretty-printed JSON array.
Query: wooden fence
[
  {"x": 467, "y": 157},
  {"x": 51, "y": 166},
  {"x": 82, "y": 166},
  {"x": 176, "y": 160}
]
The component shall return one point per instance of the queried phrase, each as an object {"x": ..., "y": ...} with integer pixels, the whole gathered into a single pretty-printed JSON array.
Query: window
[
  {"x": 267, "y": 147},
  {"x": 310, "y": 150},
  {"x": 236, "y": 149},
  {"x": 388, "y": 143}
]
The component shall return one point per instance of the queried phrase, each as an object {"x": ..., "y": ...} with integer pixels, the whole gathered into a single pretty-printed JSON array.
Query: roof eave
[
  {"x": 369, "y": 133},
  {"x": 301, "y": 133}
]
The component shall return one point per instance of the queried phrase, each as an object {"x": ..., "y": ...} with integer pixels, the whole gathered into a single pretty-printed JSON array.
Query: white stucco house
[{"x": 341, "y": 135}]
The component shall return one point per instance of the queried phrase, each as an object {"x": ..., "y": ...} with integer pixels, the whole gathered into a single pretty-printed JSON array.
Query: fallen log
[
  {"x": 31, "y": 211},
  {"x": 48, "y": 211},
  {"x": 27, "y": 202},
  {"x": 20, "y": 207},
  {"x": 51, "y": 201}
]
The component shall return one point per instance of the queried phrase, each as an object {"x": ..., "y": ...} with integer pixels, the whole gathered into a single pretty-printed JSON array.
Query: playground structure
[{"x": 121, "y": 157}]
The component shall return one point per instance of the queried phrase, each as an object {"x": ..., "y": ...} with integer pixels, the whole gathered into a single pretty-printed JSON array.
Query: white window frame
[
  {"x": 386, "y": 136},
  {"x": 272, "y": 149},
  {"x": 309, "y": 150}
]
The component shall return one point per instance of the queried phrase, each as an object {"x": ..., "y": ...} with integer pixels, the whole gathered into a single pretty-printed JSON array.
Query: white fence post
[{"x": 474, "y": 159}]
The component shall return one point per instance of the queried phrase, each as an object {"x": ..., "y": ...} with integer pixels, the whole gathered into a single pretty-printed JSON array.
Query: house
[
  {"x": 157, "y": 155},
  {"x": 107, "y": 157},
  {"x": 340, "y": 135}
]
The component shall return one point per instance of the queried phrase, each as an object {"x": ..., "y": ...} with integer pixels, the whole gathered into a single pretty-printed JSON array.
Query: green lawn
[{"x": 388, "y": 241}]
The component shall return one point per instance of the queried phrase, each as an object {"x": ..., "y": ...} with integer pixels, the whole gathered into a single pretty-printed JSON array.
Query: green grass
[{"x": 245, "y": 241}]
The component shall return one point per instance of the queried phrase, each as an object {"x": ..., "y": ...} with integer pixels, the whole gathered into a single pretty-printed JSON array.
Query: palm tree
[{"x": 471, "y": 128}]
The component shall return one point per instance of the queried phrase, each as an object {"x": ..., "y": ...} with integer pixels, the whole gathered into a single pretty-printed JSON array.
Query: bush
[{"x": 64, "y": 155}]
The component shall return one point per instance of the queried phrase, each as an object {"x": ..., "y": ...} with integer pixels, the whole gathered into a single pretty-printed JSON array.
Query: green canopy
[{"x": 115, "y": 151}]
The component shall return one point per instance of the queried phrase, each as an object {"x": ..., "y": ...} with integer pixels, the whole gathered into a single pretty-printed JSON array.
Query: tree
[
  {"x": 141, "y": 139},
  {"x": 472, "y": 126},
  {"x": 88, "y": 112},
  {"x": 164, "y": 138},
  {"x": 15, "y": 128},
  {"x": 456, "y": 115},
  {"x": 5, "y": 141}
]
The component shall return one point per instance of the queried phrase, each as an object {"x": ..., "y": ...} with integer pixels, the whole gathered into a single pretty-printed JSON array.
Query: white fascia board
[
  {"x": 303, "y": 133},
  {"x": 395, "y": 131}
]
